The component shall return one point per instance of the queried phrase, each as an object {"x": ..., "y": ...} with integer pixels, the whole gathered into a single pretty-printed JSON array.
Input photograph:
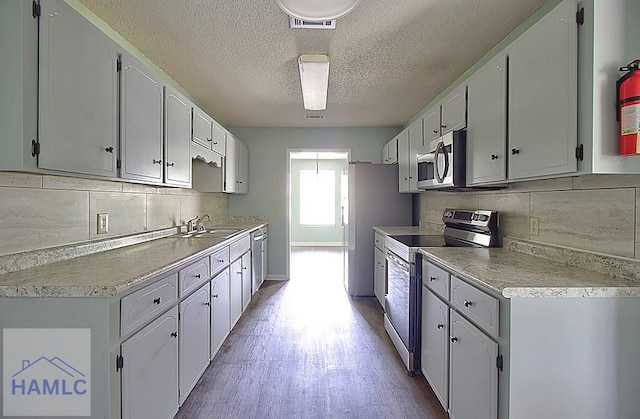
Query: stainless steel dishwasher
[{"x": 258, "y": 248}]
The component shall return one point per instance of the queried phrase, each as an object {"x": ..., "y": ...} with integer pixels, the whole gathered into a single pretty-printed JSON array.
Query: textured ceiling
[{"x": 238, "y": 58}]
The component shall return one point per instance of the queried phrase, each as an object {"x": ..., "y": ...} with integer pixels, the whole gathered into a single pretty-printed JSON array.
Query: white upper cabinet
[
  {"x": 202, "y": 128},
  {"x": 78, "y": 91},
  {"x": 453, "y": 111},
  {"x": 219, "y": 139},
  {"x": 390, "y": 152},
  {"x": 415, "y": 142},
  {"x": 487, "y": 123},
  {"x": 403, "y": 161},
  {"x": 231, "y": 165},
  {"x": 431, "y": 124},
  {"x": 543, "y": 96},
  {"x": 177, "y": 131},
  {"x": 140, "y": 122},
  {"x": 243, "y": 168},
  {"x": 236, "y": 166}
]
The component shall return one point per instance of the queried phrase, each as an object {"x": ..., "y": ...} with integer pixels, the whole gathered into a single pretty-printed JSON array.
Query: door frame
[{"x": 287, "y": 206}]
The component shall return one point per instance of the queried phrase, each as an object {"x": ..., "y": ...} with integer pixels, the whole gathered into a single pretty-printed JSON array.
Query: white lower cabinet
[
  {"x": 473, "y": 390},
  {"x": 458, "y": 358},
  {"x": 380, "y": 275},
  {"x": 434, "y": 350},
  {"x": 194, "y": 339},
  {"x": 246, "y": 280},
  {"x": 150, "y": 374},
  {"x": 235, "y": 277},
  {"x": 220, "y": 311}
]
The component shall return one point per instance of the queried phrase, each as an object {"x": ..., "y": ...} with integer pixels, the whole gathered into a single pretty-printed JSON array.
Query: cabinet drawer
[
  {"x": 379, "y": 241},
  {"x": 436, "y": 279},
  {"x": 193, "y": 275},
  {"x": 219, "y": 260},
  {"x": 477, "y": 305},
  {"x": 239, "y": 247},
  {"x": 146, "y": 303}
]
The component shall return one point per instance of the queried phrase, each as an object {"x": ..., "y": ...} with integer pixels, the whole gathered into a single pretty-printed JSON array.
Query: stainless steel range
[{"x": 469, "y": 228}]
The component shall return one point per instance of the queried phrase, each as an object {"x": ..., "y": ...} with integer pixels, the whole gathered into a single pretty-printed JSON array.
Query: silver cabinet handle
[
  {"x": 454, "y": 339},
  {"x": 494, "y": 157},
  {"x": 467, "y": 303},
  {"x": 157, "y": 161},
  {"x": 170, "y": 164},
  {"x": 515, "y": 151},
  {"x": 440, "y": 326}
]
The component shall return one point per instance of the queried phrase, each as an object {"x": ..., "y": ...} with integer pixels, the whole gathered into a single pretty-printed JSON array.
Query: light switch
[{"x": 103, "y": 223}]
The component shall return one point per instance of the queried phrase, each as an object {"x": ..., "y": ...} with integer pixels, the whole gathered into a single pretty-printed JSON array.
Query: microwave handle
[{"x": 441, "y": 149}]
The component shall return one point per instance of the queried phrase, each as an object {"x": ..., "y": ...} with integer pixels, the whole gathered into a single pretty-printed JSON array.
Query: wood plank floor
[{"x": 304, "y": 349}]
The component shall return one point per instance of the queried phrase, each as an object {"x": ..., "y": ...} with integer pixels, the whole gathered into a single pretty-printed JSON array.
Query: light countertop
[
  {"x": 517, "y": 275},
  {"x": 109, "y": 273}
]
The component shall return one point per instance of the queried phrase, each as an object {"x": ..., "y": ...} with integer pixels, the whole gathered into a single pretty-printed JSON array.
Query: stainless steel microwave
[{"x": 441, "y": 163}]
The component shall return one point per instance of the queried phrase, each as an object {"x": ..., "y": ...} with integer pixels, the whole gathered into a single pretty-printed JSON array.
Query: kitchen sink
[{"x": 221, "y": 232}]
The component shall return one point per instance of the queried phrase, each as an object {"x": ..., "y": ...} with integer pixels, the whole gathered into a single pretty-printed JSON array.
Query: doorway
[{"x": 317, "y": 195}]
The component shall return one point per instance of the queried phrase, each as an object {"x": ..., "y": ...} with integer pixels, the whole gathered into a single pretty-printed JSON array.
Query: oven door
[{"x": 397, "y": 299}]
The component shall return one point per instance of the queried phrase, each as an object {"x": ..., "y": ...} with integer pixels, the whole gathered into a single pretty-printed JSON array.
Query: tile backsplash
[
  {"x": 597, "y": 213},
  {"x": 40, "y": 211}
]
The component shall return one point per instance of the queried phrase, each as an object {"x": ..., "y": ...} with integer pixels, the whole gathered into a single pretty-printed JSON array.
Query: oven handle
[
  {"x": 399, "y": 262},
  {"x": 443, "y": 150}
]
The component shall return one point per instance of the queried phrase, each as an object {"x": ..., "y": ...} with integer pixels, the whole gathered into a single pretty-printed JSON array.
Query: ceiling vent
[
  {"x": 314, "y": 116},
  {"x": 305, "y": 24}
]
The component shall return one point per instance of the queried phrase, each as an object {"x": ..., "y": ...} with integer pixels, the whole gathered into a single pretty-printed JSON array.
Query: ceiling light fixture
[
  {"x": 317, "y": 10},
  {"x": 314, "y": 78}
]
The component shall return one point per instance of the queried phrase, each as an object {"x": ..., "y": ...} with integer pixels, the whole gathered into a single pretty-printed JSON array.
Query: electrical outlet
[
  {"x": 103, "y": 223},
  {"x": 534, "y": 226}
]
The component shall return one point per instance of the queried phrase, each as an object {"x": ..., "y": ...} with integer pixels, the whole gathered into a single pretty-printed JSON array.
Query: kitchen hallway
[{"x": 304, "y": 349}]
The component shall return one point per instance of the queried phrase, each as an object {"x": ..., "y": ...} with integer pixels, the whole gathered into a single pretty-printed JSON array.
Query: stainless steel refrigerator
[{"x": 373, "y": 200}]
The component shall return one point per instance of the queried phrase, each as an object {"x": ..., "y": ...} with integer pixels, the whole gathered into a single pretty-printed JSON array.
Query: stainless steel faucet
[{"x": 192, "y": 224}]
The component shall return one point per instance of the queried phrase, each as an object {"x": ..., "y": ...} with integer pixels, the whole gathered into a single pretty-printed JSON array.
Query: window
[{"x": 318, "y": 197}]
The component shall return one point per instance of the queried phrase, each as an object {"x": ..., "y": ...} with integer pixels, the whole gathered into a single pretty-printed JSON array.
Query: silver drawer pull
[
  {"x": 197, "y": 275},
  {"x": 454, "y": 339},
  {"x": 441, "y": 326},
  {"x": 467, "y": 303},
  {"x": 156, "y": 301},
  {"x": 432, "y": 278}
]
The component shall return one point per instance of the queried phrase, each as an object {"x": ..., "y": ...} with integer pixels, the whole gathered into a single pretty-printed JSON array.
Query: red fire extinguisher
[{"x": 628, "y": 109}]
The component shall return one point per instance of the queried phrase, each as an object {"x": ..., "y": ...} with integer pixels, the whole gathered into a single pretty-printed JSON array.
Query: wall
[
  {"x": 268, "y": 165},
  {"x": 316, "y": 235},
  {"x": 598, "y": 213},
  {"x": 39, "y": 211}
]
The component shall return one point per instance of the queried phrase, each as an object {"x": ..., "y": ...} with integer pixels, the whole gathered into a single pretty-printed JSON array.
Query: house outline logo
[
  {"x": 72, "y": 381},
  {"x": 46, "y": 372}
]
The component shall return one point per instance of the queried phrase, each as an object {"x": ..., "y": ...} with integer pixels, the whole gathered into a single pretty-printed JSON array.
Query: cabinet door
[
  {"x": 220, "y": 321},
  {"x": 473, "y": 391},
  {"x": 379, "y": 273},
  {"x": 243, "y": 168},
  {"x": 177, "y": 139},
  {"x": 231, "y": 165},
  {"x": 140, "y": 122},
  {"x": 543, "y": 96},
  {"x": 487, "y": 123},
  {"x": 235, "y": 278},
  {"x": 219, "y": 139},
  {"x": 194, "y": 339},
  {"x": 403, "y": 161},
  {"x": 202, "y": 128},
  {"x": 246, "y": 280},
  {"x": 435, "y": 345},
  {"x": 390, "y": 152},
  {"x": 265, "y": 260},
  {"x": 415, "y": 142},
  {"x": 150, "y": 373},
  {"x": 431, "y": 124},
  {"x": 78, "y": 91},
  {"x": 454, "y": 111}
]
